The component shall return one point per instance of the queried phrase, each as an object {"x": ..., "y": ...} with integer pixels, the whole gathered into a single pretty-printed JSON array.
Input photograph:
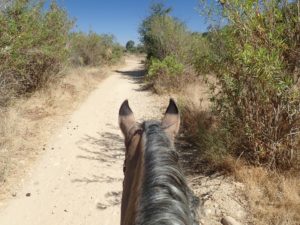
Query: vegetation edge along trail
[
  {"x": 46, "y": 71},
  {"x": 249, "y": 66},
  {"x": 241, "y": 119}
]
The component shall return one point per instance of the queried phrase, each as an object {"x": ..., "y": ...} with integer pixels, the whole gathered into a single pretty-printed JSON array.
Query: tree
[
  {"x": 163, "y": 35},
  {"x": 130, "y": 46},
  {"x": 156, "y": 10}
]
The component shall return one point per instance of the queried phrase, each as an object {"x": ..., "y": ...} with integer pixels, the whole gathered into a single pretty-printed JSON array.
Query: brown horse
[{"x": 154, "y": 188}]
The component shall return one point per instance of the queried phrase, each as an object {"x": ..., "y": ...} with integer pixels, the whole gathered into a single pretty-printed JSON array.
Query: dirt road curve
[{"x": 78, "y": 179}]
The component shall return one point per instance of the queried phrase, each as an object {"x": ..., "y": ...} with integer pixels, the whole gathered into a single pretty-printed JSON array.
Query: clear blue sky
[{"x": 122, "y": 17}]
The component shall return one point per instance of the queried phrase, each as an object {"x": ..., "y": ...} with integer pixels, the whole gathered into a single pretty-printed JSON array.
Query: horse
[{"x": 155, "y": 190}]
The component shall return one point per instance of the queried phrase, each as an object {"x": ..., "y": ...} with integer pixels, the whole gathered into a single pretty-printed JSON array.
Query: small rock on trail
[{"x": 227, "y": 220}]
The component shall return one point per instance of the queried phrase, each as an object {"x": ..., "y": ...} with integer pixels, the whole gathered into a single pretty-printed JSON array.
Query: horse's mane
[{"x": 165, "y": 197}]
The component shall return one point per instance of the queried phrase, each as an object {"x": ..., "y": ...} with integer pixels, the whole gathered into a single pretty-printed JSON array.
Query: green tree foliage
[
  {"x": 163, "y": 35},
  {"x": 169, "y": 66},
  {"x": 199, "y": 53},
  {"x": 35, "y": 43},
  {"x": 140, "y": 48},
  {"x": 167, "y": 74},
  {"x": 130, "y": 46},
  {"x": 32, "y": 45},
  {"x": 166, "y": 39},
  {"x": 256, "y": 60}
]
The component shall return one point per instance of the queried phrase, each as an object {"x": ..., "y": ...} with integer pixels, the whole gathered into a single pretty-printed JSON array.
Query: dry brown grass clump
[
  {"x": 27, "y": 124},
  {"x": 274, "y": 199}
]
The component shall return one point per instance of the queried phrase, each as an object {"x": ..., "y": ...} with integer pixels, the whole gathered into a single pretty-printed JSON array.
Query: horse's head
[
  {"x": 134, "y": 156},
  {"x": 132, "y": 130}
]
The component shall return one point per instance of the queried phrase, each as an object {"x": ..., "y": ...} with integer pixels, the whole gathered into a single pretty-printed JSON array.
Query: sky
[{"x": 122, "y": 17}]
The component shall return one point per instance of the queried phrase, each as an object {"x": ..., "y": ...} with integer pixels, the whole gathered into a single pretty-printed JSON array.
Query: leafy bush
[
  {"x": 163, "y": 35},
  {"x": 200, "y": 54},
  {"x": 171, "y": 49},
  {"x": 256, "y": 60},
  {"x": 32, "y": 45},
  {"x": 130, "y": 46},
  {"x": 93, "y": 49},
  {"x": 167, "y": 74},
  {"x": 169, "y": 66}
]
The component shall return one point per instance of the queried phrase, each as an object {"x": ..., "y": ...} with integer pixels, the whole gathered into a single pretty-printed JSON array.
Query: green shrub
[
  {"x": 199, "y": 54},
  {"x": 93, "y": 49},
  {"x": 171, "y": 49},
  {"x": 130, "y": 46},
  {"x": 117, "y": 53},
  {"x": 163, "y": 35},
  {"x": 166, "y": 74},
  {"x": 256, "y": 60},
  {"x": 32, "y": 46},
  {"x": 169, "y": 66}
]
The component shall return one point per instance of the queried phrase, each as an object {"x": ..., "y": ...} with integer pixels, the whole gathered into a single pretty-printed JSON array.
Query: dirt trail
[{"x": 78, "y": 179}]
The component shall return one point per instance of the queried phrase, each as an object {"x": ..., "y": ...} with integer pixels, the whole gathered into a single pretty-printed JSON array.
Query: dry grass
[
  {"x": 274, "y": 199},
  {"x": 26, "y": 125}
]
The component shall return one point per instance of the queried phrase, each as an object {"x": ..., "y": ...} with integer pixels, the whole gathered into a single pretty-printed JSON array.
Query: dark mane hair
[{"x": 165, "y": 197}]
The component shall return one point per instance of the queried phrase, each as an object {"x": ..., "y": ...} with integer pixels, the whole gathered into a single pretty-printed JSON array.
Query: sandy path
[{"x": 78, "y": 179}]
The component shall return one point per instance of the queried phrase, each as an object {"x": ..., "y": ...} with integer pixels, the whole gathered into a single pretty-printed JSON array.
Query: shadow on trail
[
  {"x": 112, "y": 199},
  {"x": 133, "y": 74},
  {"x": 104, "y": 147},
  {"x": 188, "y": 156},
  {"x": 193, "y": 162},
  {"x": 107, "y": 148},
  {"x": 137, "y": 76},
  {"x": 97, "y": 179}
]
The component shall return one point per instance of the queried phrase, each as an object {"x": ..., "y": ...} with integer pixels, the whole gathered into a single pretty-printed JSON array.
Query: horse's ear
[
  {"x": 126, "y": 118},
  {"x": 171, "y": 120}
]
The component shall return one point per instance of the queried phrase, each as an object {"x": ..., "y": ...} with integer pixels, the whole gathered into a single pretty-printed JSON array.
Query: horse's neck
[{"x": 132, "y": 188}]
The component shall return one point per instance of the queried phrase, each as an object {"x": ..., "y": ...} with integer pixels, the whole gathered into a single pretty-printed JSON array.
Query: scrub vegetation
[{"x": 249, "y": 59}]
